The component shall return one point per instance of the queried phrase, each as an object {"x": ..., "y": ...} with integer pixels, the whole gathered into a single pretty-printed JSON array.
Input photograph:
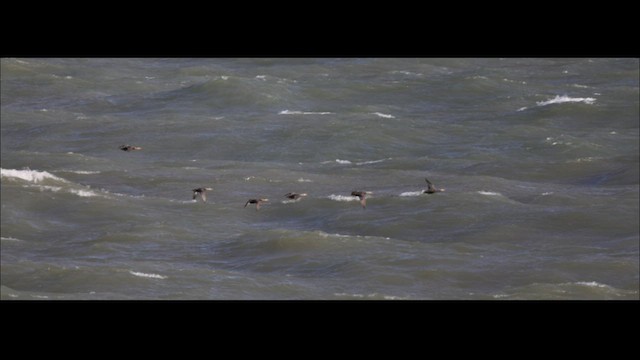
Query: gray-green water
[{"x": 539, "y": 158}]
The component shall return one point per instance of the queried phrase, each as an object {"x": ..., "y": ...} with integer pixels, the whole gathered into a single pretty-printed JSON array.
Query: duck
[
  {"x": 258, "y": 202},
  {"x": 363, "y": 197},
  {"x": 129, "y": 148},
  {"x": 431, "y": 189},
  {"x": 202, "y": 192}
]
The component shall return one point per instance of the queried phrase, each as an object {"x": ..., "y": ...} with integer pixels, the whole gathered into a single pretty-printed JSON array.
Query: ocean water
[{"x": 539, "y": 159}]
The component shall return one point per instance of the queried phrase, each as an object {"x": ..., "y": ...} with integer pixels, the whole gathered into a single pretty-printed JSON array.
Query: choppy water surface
[{"x": 539, "y": 158}]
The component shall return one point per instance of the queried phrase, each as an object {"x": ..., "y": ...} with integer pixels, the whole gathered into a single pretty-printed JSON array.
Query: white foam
[
  {"x": 360, "y": 296},
  {"x": 83, "y": 193},
  {"x": 489, "y": 193},
  {"x": 581, "y": 86},
  {"x": 405, "y": 72},
  {"x": 83, "y": 172},
  {"x": 29, "y": 175},
  {"x": 261, "y": 77},
  {"x": 46, "y": 187},
  {"x": 522, "y": 108},
  {"x": 294, "y": 112},
  {"x": 514, "y": 81},
  {"x": 351, "y": 295},
  {"x": 304, "y": 180},
  {"x": 344, "y": 162},
  {"x": 585, "y": 159},
  {"x": 290, "y": 201},
  {"x": 386, "y": 116},
  {"x": 9, "y": 239},
  {"x": 343, "y": 198},
  {"x": 592, "y": 284},
  {"x": 547, "y": 193},
  {"x": 411, "y": 193},
  {"x": 141, "y": 274},
  {"x": 224, "y": 77},
  {"x": 564, "y": 99},
  {"x": 341, "y": 236},
  {"x": 372, "y": 161}
]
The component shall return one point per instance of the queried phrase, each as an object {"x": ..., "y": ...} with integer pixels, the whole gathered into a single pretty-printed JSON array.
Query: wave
[
  {"x": 374, "y": 296},
  {"x": 304, "y": 180},
  {"x": 589, "y": 284},
  {"x": 29, "y": 175},
  {"x": 153, "y": 276},
  {"x": 342, "y": 236},
  {"x": 9, "y": 239},
  {"x": 342, "y": 198},
  {"x": 82, "y": 172},
  {"x": 83, "y": 193},
  {"x": 386, "y": 116},
  {"x": 348, "y": 162},
  {"x": 412, "y": 193},
  {"x": 489, "y": 193},
  {"x": 372, "y": 161},
  {"x": 294, "y": 112},
  {"x": 36, "y": 177},
  {"x": 563, "y": 99}
]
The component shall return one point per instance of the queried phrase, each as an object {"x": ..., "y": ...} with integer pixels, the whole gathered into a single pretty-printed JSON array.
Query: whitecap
[
  {"x": 82, "y": 172},
  {"x": 141, "y": 274},
  {"x": 304, "y": 180},
  {"x": 411, "y": 193},
  {"x": 351, "y": 295},
  {"x": 372, "y": 161},
  {"x": 261, "y": 77},
  {"x": 386, "y": 116},
  {"x": 592, "y": 284},
  {"x": 344, "y": 162},
  {"x": 522, "y": 108},
  {"x": 405, "y": 72},
  {"x": 29, "y": 175},
  {"x": 564, "y": 98},
  {"x": 9, "y": 239},
  {"x": 295, "y": 112},
  {"x": 83, "y": 193},
  {"x": 489, "y": 193},
  {"x": 343, "y": 198},
  {"x": 46, "y": 187}
]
